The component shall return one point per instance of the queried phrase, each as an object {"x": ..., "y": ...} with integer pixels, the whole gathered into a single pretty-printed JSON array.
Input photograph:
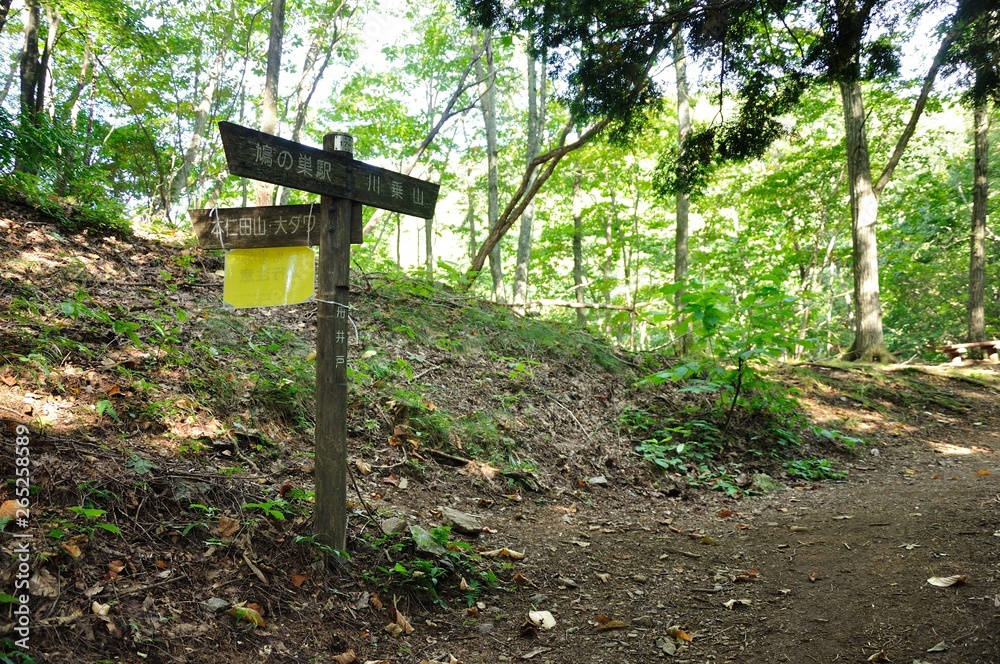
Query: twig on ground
[
  {"x": 582, "y": 428},
  {"x": 140, "y": 589}
]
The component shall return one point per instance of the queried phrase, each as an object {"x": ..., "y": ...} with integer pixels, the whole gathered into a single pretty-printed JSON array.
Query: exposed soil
[{"x": 633, "y": 567}]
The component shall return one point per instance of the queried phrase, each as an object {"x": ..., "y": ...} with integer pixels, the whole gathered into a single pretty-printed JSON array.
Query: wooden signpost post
[{"x": 345, "y": 185}]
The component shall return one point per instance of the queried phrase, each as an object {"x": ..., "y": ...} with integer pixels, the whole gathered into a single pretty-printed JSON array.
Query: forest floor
[{"x": 171, "y": 466}]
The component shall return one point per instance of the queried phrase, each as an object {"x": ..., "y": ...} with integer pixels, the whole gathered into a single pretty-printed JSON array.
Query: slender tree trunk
[
  {"x": 399, "y": 241},
  {"x": 447, "y": 113},
  {"x": 546, "y": 165},
  {"x": 470, "y": 218},
  {"x": 85, "y": 78},
  {"x": 581, "y": 314},
  {"x": 977, "y": 253},
  {"x": 869, "y": 343},
  {"x": 326, "y": 36},
  {"x": 269, "y": 117},
  {"x": 683, "y": 199},
  {"x": 43, "y": 65},
  {"x": 610, "y": 223},
  {"x": 180, "y": 180},
  {"x": 536, "y": 126},
  {"x": 488, "y": 74},
  {"x": 429, "y": 247},
  {"x": 8, "y": 81}
]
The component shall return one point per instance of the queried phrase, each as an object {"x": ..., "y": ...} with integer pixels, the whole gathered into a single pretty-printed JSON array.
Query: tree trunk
[
  {"x": 869, "y": 343},
  {"x": 43, "y": 65},
  {"x": 180, "y": 180},
  {"x": 536, "y": 126},
  {"x": 85, "y": 79},
  {"x": 470, "y": 217},
  {"x": 488, "y": 75},
  {"x": 8, "y": 81},
  {"x": 29, "y": 62},
  {"x": 546, "y": 164},
  {"x": 977, "y": 253},
  {"x": 30, "y": 89},
  {"x": 4, "y": 9},
  {"x": 328, "y": 33},
  {"x": 683, "y": 199},
  {"x": 429, "y": 246},
  {"x": 581, "y": 314},
  {"x": 609, "y": 249},
  {"x": 269, "y": 118}
]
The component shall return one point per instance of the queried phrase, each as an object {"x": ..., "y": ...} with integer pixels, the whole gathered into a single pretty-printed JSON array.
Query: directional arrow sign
[
  {"x": 254, "y": 154},
  {"x": 260, "y": 227}
]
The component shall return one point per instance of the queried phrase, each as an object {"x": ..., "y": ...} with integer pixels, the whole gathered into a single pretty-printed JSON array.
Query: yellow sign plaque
[{"x": 268, "y": 277}]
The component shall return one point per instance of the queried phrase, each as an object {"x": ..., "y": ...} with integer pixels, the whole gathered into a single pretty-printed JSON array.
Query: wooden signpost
[{"x": 344, "y": 184}]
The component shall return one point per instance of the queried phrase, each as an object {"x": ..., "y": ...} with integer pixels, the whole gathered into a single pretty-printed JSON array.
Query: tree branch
[
  {"x": 527, "y": 190},
  {"x": 918, "y": 109},
  {"x": 447, "y": 114}
]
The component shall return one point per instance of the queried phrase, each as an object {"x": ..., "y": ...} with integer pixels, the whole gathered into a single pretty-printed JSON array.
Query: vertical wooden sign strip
[{"x": 331, "y": 360}]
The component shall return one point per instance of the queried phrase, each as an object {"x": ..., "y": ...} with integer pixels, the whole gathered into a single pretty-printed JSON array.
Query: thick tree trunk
[
  {"x": 536, "y": 125},
  {"x": 488, "y": 75},
  {"x": 581, "y": 314},
  {"x": 977, "y": 253},
  {"x": 29, "y": 61},
  {"x": 269, "y": 117},
  {"x": 683, "y": 199},
  {"x": 869, "y": 343},
  {"x": 29, "y": 78}
]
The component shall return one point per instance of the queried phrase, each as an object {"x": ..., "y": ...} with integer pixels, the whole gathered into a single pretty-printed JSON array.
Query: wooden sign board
[
  {"x": 260, "y": 227},
  {"x": 345, "y": 185},
  {"x": 254, "y": 154}
]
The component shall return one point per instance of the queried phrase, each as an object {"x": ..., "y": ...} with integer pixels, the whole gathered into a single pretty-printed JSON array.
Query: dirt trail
[
  {"x": 838, "y": 573},
  {"x": 639, "y": 568}
]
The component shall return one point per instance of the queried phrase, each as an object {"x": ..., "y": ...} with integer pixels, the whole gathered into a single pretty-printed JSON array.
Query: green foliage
[
  {"x": 92, "y": 515},
  {"x": 678, "y": 446},
  {"x": 53, "y": 179},
  {"x": 105, "y": 407},
  {"x": 274, "y": 509},
  {"x": 833, "y": 435},
  {"x": 814, "y": 470},
  {"x": 427, "y": 576},
  {"x": 11, "y": 654},
  {"x": 726, "y": 330}
]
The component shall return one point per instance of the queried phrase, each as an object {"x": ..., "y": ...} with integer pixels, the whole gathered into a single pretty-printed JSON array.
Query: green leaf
[
  {"x": 88, "y": 512},
  {"x": 105, "y": 407},
  {"x": 110, "y": 527}
]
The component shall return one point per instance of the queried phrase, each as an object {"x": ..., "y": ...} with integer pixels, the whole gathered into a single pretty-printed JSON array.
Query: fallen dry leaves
[
  {"x": 399, "y": 625},
  {"x": 946, "y": 581}
]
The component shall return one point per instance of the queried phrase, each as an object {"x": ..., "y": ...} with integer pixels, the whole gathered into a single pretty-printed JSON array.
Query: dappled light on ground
[
  {"x": 951, "y": 449},
  {"x": 501, "y": 468}
]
